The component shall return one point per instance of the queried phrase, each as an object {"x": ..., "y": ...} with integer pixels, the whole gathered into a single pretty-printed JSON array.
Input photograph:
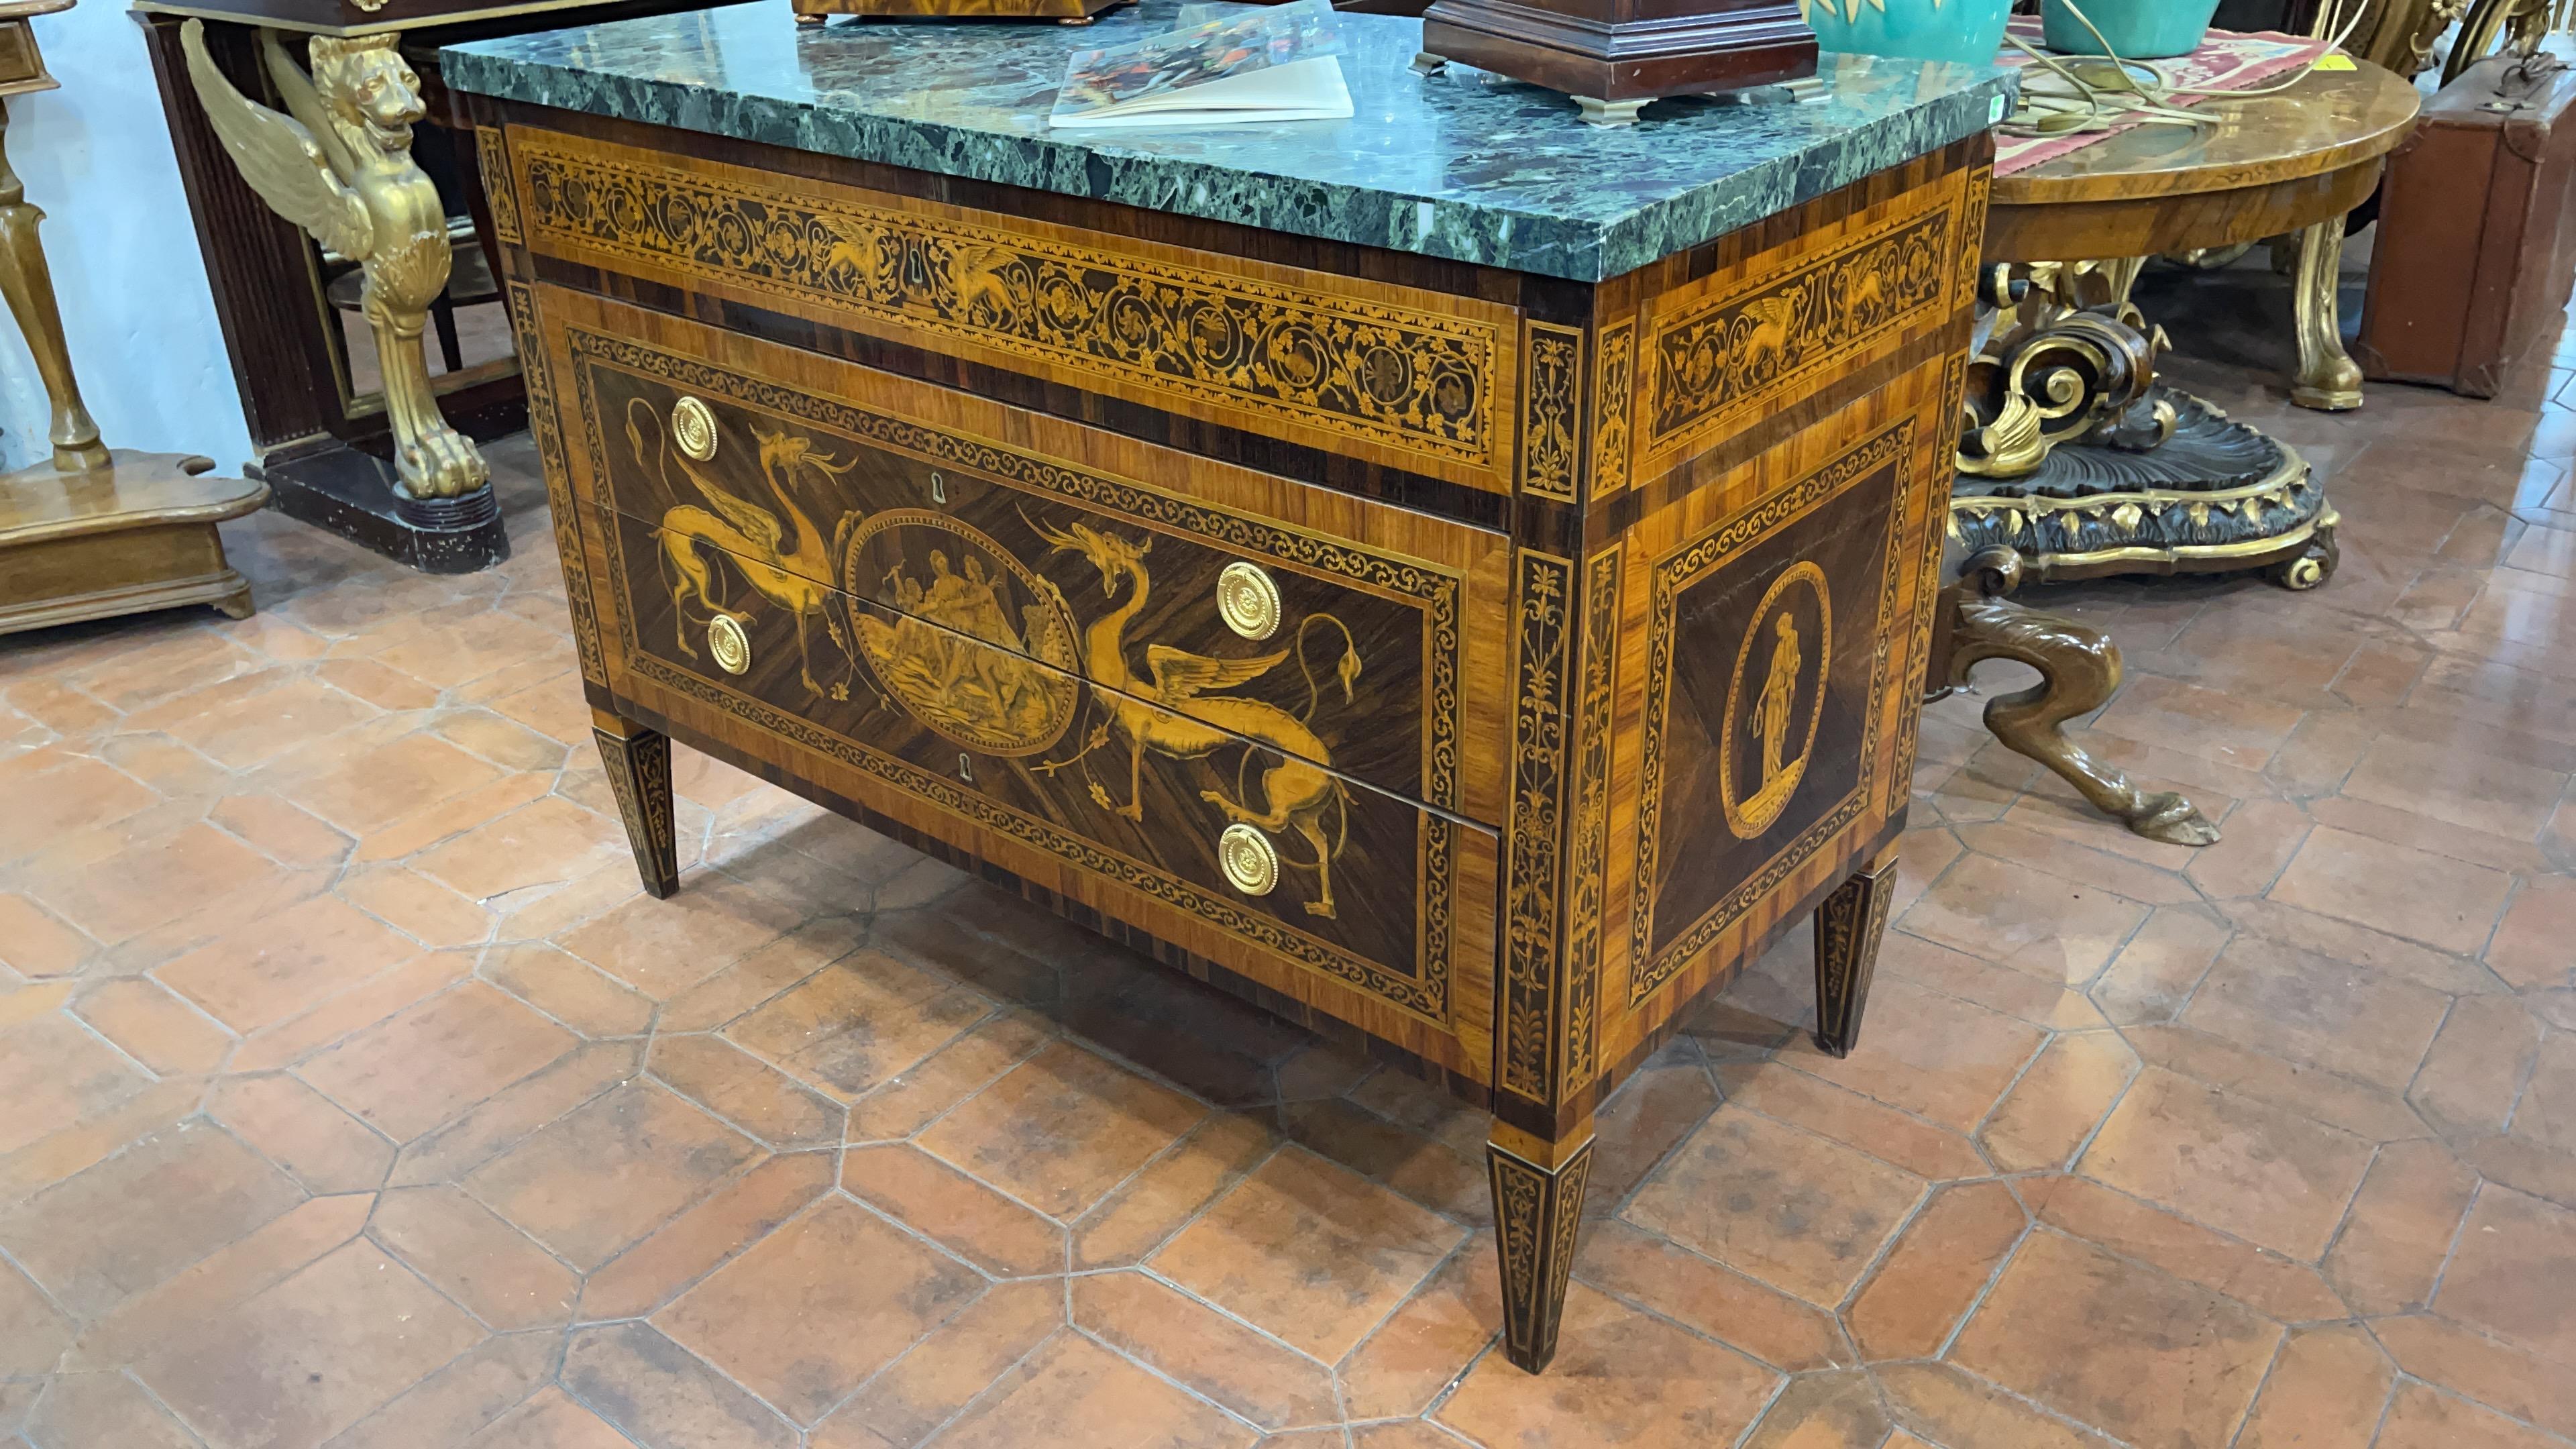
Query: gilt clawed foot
[{"x": 440, "y": 463}]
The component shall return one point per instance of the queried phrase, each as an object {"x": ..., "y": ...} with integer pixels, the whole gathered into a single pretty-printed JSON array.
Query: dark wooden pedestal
[
  {"x": 1613, "y": 56},
  {"x": 334, "y": 485}
]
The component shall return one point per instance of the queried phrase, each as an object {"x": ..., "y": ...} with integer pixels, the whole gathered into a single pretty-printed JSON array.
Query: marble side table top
[{"x": 1462, "y": 165}]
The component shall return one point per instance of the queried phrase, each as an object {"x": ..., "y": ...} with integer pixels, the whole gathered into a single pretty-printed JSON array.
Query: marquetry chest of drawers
[{"x": 1485, "y": 661}]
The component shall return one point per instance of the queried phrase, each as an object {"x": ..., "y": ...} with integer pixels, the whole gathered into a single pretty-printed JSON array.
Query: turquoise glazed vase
[
  {"x": 2137, "y": 29},
  {"x": 1967, "y": 31}
]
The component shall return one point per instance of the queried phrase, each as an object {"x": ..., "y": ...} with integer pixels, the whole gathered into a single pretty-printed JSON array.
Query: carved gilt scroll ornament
[
  {"x": 2067, "y": 358},
  {"x": 339, "y": 165}
]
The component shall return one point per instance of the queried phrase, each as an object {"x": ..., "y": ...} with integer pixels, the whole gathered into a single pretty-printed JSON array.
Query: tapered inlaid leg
[
  {"x": 639, "y": 774},
  {"x": 1848, "y": 927},
  {"x": 1538, "y": 1210}
]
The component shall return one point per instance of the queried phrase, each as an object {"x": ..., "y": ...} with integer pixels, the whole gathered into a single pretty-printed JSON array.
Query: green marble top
[{"x": 1462, "y": 165}]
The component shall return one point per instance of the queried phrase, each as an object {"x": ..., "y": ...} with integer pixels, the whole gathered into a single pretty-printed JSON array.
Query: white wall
[{"x": 95, "y": 155}]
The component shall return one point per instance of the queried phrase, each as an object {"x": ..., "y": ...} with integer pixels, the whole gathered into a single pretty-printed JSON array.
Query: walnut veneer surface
[{"x": 1482, "y": 662}]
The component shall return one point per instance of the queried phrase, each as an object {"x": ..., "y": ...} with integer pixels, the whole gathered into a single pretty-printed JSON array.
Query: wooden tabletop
[{"x": 2273, "y": 163}]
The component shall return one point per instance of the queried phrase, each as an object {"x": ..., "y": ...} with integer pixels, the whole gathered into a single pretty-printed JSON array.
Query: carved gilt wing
[
  {"x": 1179, "y": 674},
  {"x": 279, "y": 157},
  {"x": 304, "y": 103}
]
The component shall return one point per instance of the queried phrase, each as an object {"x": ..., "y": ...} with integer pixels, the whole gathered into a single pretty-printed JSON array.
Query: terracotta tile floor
[{"x": 350, "y": 1094}]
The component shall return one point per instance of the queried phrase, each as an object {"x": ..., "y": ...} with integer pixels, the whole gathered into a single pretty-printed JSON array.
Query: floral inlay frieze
[{"x": 1410, "y": 379}]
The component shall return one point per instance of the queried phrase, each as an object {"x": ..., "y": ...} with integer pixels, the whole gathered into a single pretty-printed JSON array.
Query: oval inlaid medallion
[
  {"x": 1775, "y": 699},
  {"x": 974, "y": 632}
]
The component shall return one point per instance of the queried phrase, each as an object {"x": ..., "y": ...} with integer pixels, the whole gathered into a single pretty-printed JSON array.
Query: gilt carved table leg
[
  {"x": 29, "y": 286},
  {"x": 1538, "y": 1212},
  {"x": 638, "y": 761},
  {"x": 2078, "y": 460},
  {"x": 2079, "y": 672},
  {"x": 2328, "y": 379},
  {"x": 1849, "y": 926}
]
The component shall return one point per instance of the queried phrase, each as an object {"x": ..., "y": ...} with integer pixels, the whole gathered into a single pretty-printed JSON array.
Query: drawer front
[
  {"x": 1190, "y": 809},
  {"x": 763, "y": 482},
  {"x": 1412, "y": 379}
]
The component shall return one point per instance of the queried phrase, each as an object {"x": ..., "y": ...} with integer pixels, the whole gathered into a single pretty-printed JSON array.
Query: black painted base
[
  {"x": 2213, "y": 496},
  {"x": 336, "y": 487}
]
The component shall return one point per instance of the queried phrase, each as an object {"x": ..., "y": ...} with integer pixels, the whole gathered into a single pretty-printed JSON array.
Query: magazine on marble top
[{"x": 1280, "y": 63}]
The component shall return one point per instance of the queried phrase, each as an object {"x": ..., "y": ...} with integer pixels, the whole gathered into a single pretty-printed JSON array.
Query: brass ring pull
[
  {"x": 1247, "y": 598},
  {"x": 693, "y": 427},
  {"x": 1249, "y": 860},
  {"x": 729, "y": 644}
]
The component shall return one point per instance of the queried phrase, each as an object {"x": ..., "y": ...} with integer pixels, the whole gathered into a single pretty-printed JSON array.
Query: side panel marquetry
[
  {"x": 1759, "y": 701},
  {"x": 1766, "y": 680},
  {"x": 1414, "y": 379}
]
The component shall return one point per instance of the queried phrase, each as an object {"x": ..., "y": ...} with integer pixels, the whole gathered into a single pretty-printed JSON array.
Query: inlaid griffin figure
[{"x": 340, "y": 167}]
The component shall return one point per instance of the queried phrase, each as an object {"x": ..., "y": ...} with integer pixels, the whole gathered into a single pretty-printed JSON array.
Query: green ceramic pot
[
  {"x": 2137, "y": 29},
  {"x": 1967, "y": 31}
]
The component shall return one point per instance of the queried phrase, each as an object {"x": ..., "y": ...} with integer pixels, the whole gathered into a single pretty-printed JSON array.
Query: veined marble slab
[{"x": 1462, "y": 165}]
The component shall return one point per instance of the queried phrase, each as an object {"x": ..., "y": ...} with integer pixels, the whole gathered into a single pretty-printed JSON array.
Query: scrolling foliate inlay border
[
  {"x": 1944, "y": 440},
  {"x": 1426, "y": 995},
  {"x": 1551, "y": 410},
  {"x": 1434, "y": 590},
  {"x": 1893, "y": 448},
  {"x": 546, "y": 426},
  {"x": 1414, "y": 381},
  {"x": 1732, "y": 356},
  {"x": 1542, "y": 593},
  {"x": 1614, "y": 406},
  {"x": 498, "y": 192},
  {"x": 1588, "y": 862}
]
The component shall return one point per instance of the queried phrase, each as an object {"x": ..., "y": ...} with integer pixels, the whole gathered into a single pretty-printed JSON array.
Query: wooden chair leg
[
  {"x": 2079, "y": 671},
  {"x": 1538, "y": 1212},
  {"x": 639, "y": 774}
]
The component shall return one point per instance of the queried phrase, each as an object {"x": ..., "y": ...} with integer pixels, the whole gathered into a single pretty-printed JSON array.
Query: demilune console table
[{"x": 1455, "y": 576}]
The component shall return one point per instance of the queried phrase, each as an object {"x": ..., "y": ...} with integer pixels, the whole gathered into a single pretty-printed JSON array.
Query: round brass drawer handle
[
  {"x": 730, "y": 645},
  {"x": 693, "y": 427},
  {"x": 1249, "y": 860},
  {"x": 1247, "y": 598}
]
